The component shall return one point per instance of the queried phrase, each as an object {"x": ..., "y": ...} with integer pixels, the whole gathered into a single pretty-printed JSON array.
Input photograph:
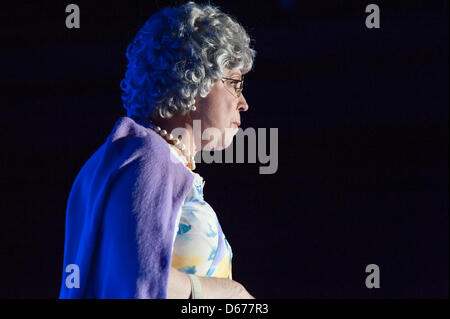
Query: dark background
[{"x": 362, "y": 116}]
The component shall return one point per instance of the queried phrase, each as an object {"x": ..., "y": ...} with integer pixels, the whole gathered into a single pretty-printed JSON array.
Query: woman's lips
[{"x": 237, "y": 124}]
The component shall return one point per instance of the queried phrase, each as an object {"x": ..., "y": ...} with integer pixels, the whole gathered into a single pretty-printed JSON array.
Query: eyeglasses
[{"x": 234, "y": 86}]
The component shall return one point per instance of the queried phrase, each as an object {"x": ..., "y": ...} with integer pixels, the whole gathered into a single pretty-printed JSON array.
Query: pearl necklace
[{"x": 169, "y": 138}]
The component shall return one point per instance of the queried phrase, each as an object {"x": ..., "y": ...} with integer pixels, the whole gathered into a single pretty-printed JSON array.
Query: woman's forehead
[{"x": 229, "y": 72}]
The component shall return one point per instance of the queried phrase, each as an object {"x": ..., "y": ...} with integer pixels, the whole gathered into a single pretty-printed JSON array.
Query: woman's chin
[
  {"x": 227, "y": 142},
  {"x": 229, "y": 136}
]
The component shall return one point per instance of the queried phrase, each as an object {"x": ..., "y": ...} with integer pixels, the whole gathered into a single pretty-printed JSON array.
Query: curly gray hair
[{"x": 179, "y": 53}]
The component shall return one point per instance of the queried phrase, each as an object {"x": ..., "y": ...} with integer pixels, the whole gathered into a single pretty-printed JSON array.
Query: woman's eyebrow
[{"x": 235, "y": 75}]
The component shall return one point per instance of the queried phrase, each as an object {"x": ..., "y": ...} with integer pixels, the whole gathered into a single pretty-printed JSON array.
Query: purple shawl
[{"x": 121, "y": 214}]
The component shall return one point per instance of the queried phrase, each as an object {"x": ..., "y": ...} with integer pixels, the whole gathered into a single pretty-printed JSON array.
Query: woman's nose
[{"x": 242, "y": 104}]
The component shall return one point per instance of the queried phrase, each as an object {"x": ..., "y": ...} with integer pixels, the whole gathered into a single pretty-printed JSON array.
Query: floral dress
[{"x": 200, "y": 246}]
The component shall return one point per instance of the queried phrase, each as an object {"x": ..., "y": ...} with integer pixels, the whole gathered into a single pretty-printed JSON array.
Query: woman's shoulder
[
  {"x": 135, "y": 150},
  {"x": 128, "y": 137}
]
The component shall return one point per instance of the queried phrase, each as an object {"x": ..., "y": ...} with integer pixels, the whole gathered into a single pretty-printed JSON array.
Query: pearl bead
[{"x": 176, "y": 142}]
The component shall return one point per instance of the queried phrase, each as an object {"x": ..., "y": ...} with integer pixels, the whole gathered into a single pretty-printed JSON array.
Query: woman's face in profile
[{"x": 220, "y": 109}]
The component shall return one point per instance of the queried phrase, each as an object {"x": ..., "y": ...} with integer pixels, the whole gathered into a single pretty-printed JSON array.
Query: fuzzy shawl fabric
[{"x": 120, "y": 217}]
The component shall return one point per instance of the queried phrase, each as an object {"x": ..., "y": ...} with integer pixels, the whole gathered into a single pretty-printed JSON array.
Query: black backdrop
[{"x": 362, "y": 117}]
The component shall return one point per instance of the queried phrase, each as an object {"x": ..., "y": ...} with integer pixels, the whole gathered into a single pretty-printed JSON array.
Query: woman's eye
[{"x": 234, "y": 83}]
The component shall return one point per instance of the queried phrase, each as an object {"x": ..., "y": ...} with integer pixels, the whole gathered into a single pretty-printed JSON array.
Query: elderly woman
[{"x": 137, "y": 224}]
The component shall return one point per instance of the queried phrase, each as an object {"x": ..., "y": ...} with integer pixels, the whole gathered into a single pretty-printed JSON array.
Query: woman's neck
[{"x": 181, "y": 127}]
